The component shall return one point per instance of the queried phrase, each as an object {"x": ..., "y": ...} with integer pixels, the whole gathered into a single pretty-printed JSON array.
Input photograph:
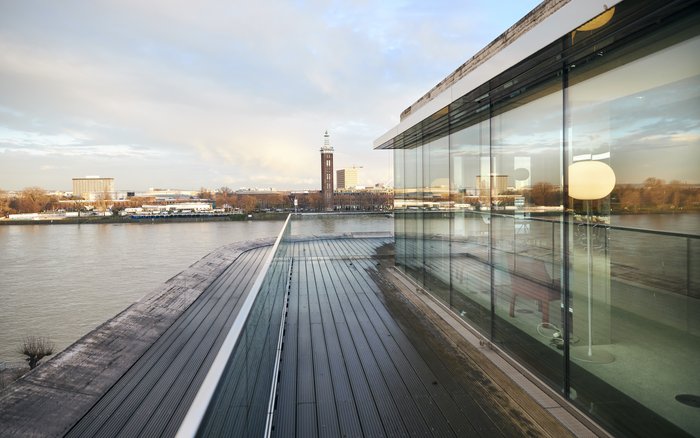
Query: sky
[{"x": 183, "y": 94}]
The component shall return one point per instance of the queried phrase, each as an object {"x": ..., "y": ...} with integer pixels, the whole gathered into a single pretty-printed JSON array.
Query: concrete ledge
[{"x": 48, "y": 400}]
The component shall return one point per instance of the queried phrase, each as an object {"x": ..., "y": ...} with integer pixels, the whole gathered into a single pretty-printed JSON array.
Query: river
[{"x": 62, "y": 281}]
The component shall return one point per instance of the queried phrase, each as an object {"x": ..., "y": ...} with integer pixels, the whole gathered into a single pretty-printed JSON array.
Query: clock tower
[{"x": 327, "y": 173}]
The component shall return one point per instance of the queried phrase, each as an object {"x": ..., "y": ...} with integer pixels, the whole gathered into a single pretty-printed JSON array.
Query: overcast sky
[{"x": 185, "y": 94}]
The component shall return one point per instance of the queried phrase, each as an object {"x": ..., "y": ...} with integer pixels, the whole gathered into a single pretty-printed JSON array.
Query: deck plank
[
  {"x": 439, "y": 388},
  {"x": 352, "y": 333},
  {"x": 394, "y": 374},
  {"x": 376, "y": 380}
]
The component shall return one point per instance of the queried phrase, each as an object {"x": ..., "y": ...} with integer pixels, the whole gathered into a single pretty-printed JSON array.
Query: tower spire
[{"x": 326, "y": 143}]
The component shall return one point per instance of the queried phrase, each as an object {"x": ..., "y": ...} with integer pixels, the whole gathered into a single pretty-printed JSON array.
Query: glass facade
[{"x": 556, "y": 208}]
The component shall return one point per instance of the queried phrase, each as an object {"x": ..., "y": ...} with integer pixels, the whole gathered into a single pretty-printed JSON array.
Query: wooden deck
[{"x": 348, "y": 368}]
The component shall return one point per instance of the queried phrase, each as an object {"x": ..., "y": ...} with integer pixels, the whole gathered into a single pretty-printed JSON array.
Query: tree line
[
  {"x": 654, "y": 195},
  {"x": 307, "y": 201},
  {"x": 37, "y": 200},
  {"x": 29, "y": 200}
]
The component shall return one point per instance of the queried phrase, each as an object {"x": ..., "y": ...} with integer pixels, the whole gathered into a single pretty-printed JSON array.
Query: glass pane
[
  {"x": 413, "y": 223},
  {"x": 470, "y": 271},
  {"x": 399, "y": 209},
  {"x": 436, "y": 220},
  {"x": 526, "y": 194},
  {"x": 419, "y": 261},
  {"x": 635, "y": 311}
]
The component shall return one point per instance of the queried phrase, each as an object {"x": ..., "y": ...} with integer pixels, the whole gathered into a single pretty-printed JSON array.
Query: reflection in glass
[
  {"x": 436, "y": 219},
  {"x": 470, "y": 272},
  {"x": 413, "y": 221},
  {"x": 532, "y": 268},
  {"x": 399, "y": 208},
  {"x": 526, "y": 150},
  {"x": 642, "y": 118}
]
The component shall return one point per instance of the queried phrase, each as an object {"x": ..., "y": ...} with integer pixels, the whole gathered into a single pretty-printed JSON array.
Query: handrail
[{"x": 193, "y": 419}]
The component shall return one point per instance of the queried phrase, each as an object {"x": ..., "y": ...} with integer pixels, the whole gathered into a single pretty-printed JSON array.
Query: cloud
[{"x": 222, "y": 91}]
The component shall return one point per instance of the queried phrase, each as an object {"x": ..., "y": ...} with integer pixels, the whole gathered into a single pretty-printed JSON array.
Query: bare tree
[
  {"x": 224, "y": 196},
  {"x": 205, "y": 194},
  {"x": 248, "y": 203},
  {"x": 5, "y": 204},
  {"x": 36, "y": 348}
]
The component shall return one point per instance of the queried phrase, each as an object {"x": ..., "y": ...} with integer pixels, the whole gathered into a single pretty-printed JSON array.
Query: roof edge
[
  {"x": 550, "y": 20},
  {"x": 529, "y": 21}
]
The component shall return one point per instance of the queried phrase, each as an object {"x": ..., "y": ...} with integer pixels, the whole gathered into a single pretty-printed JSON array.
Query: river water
[
  {"x": 62, "y": 281},
  {"x": 688, "y": 223}
]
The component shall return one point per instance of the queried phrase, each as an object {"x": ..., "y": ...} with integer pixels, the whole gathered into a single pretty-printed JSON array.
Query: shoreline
[
  {"x": 238, "y": 217},
  {"x": 88, "y": 220}
]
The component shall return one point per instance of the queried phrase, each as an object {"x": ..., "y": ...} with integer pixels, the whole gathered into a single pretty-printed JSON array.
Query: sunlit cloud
[{"x": 24, "y": 140}]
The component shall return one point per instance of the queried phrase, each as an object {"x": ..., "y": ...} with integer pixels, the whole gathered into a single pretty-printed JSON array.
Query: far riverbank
[
  {"x": 238, "y": 217},
  {"x": 84, "y": 220}
]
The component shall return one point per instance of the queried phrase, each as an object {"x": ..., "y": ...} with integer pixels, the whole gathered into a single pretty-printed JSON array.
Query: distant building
[
  {"x": 169, "y": 194},
  {"x": 93, "y": 187},
  {"x": 259, "y": 191},
  {"x": 498, "y": 185},
  {"x": 347, "y": 178},
  {"x": 182, "y": 207},
  {"x": 376, "y": 198},
  {"x": 327, "y": 172}
]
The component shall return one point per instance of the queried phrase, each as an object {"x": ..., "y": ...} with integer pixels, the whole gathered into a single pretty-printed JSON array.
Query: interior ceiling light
[{"x": 595, "y": 23}]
